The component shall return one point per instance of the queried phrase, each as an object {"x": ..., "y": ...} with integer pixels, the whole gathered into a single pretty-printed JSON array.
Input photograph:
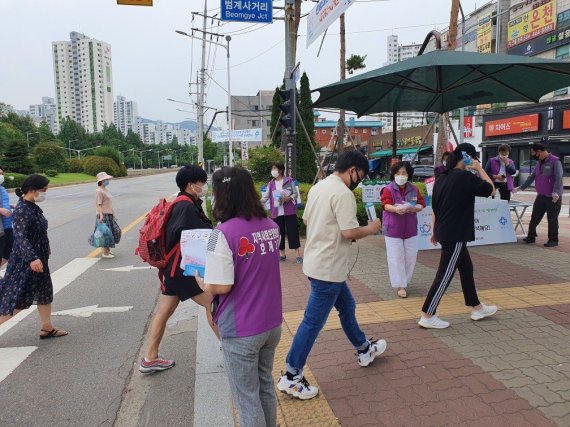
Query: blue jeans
[{"x": 324, "y": 296}]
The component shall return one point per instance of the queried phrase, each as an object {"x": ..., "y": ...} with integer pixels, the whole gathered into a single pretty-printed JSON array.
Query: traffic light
[{"x": 288, "y": 109}]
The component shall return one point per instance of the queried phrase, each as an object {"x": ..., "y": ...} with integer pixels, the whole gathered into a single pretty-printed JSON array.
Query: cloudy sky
[{"x": 151, "y": 62}]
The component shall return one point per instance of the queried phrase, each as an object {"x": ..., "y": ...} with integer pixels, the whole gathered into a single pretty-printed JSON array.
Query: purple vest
[
  {"x": 544, "y": 176},
  {"x": 253, "y": 306},
  {"x": 496, "y": 168},
  {"x": 400, "y": 226},
  {"x": 290, "y": 208}
]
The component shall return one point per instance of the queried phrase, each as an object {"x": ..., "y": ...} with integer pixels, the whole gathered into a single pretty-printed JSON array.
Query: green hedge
[
  {"x": 75, "y": 166},
  {"x": 13, "y": 183},
  {"x": 95, "y": 164}
]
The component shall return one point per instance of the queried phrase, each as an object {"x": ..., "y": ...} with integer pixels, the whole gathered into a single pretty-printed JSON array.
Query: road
[{"x": 90, "y": 377}]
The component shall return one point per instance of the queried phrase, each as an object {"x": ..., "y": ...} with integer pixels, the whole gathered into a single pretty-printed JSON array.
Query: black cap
[{"x": 538, "y": 146}]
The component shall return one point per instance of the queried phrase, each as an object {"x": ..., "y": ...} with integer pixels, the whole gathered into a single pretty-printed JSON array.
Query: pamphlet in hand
[{"x": 193, "y": 249}]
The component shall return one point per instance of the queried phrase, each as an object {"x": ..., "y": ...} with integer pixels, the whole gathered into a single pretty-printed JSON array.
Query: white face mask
[
  {"x": 40, "y": 197},
  {"x": 401, "y": 179},
  {"x": 201, "y": 191},
  {"x": 274, "y": 173},
  {"x": 1, "y": 179},
  {"x": 444, "y": 163}
]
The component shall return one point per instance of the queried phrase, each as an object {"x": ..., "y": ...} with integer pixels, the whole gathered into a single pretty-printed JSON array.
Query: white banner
[
  {"x": 244, "y": 150},
  {"x": 237, "y": 135},
  {"x": 323, "y": 15},
  {"x": 493, "y": 225}
]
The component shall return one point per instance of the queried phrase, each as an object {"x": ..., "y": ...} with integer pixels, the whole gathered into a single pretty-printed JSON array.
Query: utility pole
[
  {"x": 202, "y": 82},
  {"x": 290, "y": 52}
]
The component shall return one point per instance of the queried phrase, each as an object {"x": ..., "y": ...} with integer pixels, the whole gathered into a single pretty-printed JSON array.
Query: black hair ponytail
[{"x": 32, "y": 183}]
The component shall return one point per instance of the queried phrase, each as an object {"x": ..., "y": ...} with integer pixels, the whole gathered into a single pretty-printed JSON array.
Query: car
[{"x": 421, "y": 172}]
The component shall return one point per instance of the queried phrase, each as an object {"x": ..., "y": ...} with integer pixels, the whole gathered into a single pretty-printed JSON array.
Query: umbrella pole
[
  {"x": 451, "y": 128},
  {"x": 430, "y": 129},
  {"x": 394, "y": 134}
]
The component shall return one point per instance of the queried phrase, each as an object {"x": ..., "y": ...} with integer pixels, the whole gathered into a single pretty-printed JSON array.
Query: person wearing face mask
[
  {"x": 547, "y": 174},
  {"x": 7, "y": 239},
  {"x": 401, "y": 201},
  {"x": 282, "y": 195},
  {"x": 501, "y": 169},
  {"x": 185, "y": 215},
  {"x": 27, "y": 280},
  {"x": 453, "y": 226},
  {"x": 330, "y": 215},
  {"x": 441, "y": 168},
  {"x": 105, "y": 213}
]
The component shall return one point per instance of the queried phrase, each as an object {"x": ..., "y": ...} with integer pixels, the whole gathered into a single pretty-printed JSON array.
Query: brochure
[{"x": 193, "y": 249}]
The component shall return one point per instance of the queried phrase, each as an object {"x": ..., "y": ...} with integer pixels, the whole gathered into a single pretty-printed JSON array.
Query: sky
[{"x": 152, "y": 63}]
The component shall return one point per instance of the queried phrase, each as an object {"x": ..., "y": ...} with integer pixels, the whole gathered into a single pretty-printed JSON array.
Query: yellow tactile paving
[{"x": 452, "y": 304}]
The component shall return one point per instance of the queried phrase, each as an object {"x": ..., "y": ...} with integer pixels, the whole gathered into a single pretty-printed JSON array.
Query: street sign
[
  {"x": 247, "y": 11},
  {"x": 169, "y": 157},
  {"x": 135, "y": 2},
  {"x": 252, "y": 135},
  {"x": 323, "y": 15}
]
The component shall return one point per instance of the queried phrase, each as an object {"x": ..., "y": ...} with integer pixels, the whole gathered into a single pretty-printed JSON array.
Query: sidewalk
[{"x": 509, "y": 370}]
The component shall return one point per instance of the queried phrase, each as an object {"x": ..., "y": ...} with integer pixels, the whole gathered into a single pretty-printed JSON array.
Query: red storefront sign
[
  {"x": 512, "y": 125},
  {"x": 566, "y": 119},
  {"x": 468, "y": 123}
]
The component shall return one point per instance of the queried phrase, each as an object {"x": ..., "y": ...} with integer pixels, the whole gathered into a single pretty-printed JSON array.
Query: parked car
[{"x": 421, "y": 172}]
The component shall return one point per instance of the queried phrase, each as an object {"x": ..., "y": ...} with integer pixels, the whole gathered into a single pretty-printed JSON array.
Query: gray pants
[{"x": 249, "y": 364}]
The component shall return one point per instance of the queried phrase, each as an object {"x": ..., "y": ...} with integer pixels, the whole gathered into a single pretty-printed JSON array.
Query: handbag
[{"x": 102, "y": 236}]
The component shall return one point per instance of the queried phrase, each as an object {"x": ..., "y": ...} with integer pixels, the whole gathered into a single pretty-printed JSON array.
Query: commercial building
[
  {"x": 83, "y": 81},
  {"x": 363, "y": 132},
  {"x": 45, "y": 112},
  {"x": 251, "y": 112},
  {"x": 125, "y": 114}
]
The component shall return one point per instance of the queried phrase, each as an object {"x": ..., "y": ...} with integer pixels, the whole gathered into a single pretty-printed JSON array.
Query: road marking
[
  {"x": 11, "y": 358},
  {"x": 125, "y": 230},
  {"x": 89, "y": 310},
  {"x": 60, "y": 279},
  {"x": 129, "y": 268}
]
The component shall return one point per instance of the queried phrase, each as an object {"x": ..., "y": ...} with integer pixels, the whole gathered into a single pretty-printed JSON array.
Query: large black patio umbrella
[{"x": 441, "y": 81}]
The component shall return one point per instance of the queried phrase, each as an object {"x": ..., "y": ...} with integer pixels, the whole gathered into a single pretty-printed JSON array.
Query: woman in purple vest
[
  {"x": 242, "y": 275},
  {"x": 282, "y": 196},
  {"x": 401, "y": 201},
  {"x": 441, "y": 168},
  {"x": 501, "y": 170}
]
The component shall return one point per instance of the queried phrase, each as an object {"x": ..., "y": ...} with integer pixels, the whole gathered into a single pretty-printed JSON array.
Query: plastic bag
[{"x": 102, "y": 236}]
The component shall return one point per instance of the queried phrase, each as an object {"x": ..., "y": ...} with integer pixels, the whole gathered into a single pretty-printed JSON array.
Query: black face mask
[{"x": 354, "y": 184}]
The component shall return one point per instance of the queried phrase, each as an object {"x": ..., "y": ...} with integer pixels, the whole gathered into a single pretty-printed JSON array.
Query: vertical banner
[
  {"x": 468, "y": 123},
  {"x": 485, "y": 34},
  {"x": 244, "y": 150}
]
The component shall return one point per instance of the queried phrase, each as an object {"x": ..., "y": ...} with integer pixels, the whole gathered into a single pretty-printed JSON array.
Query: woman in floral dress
[{"x": 27, "y": 280}]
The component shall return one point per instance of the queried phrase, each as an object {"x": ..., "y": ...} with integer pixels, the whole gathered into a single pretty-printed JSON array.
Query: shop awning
[{"x": 400, "y": 152}]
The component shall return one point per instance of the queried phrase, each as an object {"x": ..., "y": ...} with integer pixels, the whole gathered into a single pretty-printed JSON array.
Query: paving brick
[{"x": 558, "y": 410}]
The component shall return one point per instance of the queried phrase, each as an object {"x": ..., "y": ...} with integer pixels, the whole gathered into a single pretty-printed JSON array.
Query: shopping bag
[{"x": 102, "y": 236}]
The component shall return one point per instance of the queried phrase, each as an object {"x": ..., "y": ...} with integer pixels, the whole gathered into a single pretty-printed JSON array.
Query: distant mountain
[{"x": 191, "y": 125}]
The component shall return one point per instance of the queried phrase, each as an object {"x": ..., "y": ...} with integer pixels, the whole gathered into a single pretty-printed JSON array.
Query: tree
[
  {"x": 174, "y": 140},
  {"x": 275, "y": 112},
  {"x": 355, "y": 62},
  {"x": 306, "y": 162},
  {"x": 16, "y": 157},
  {"x": 25, "y": 125},
  {"x": 9, "y": 133},
  {"x": 72, "y": 131},
  {"x": 210, "y": 149},
  {"x": 260, "y": 161},
  {"x": 48, "y": 155},
  {"x": 110, "y": 132},
  {"x": 45, "y": 133},
  {"x": 111, "y": 152}
]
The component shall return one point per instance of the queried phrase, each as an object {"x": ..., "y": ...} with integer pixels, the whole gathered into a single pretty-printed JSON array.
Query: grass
[{"x": 70, "y": 178}]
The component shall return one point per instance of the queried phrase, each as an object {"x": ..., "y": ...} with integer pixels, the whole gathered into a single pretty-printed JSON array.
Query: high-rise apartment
[
  {"x": 83, "y": 81},
  {"x": 399, "y": 52},
  {"x": 46, "y": 111},
  {"x": 126, "y": 113}
]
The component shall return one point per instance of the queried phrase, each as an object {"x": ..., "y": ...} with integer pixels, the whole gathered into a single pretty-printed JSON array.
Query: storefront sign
[
  {"x": 566, "y": 119},
  {"x": 468, "y": 123},
  {"x": 531, "y": 24},
  {"x": 484, "y": 34},
  {"x": 493, "y": 225},
  {"x": 543, "y": 43},
  {"x": 512, "y": 125},
  {"x": 563, "y": 19}
]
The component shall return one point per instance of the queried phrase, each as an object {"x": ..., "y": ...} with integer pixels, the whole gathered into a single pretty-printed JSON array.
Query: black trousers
[
  {"x": 542, "y": 205},
  {"x": 503, "y": 190},
  {"x": 288, "y": 227},
  {"x": 454, "y": 256}
]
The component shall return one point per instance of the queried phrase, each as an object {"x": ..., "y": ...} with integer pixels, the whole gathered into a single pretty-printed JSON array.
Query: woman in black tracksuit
[{"x": 453, "y": 206}]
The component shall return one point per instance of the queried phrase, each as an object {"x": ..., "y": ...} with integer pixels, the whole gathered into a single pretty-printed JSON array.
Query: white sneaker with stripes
[
  {"x": 433, "y": 322},
  {"x": 484, "y": 311}
]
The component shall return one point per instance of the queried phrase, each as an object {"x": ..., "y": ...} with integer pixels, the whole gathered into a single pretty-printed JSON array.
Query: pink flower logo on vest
[{"x": 245, "y": 247}]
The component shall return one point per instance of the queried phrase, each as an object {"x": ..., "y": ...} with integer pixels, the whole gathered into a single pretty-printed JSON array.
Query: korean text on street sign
[
  {"x": 484, "y": 34},
  {"x": 135, "y": 2},
  {"x": 323, "y": 15},
  {"x": 244, "y": 150},
  {"x": 247, "y": 10},
  {"x": 512, "y": 125},
  {"x": 531, "y": 24},
  {"x": 237, "y": 135}
]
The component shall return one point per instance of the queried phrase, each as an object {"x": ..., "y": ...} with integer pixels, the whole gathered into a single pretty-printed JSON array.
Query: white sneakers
[
  {"x": 297, "y": 386},
  {"x": 376, "y": 348},
  {"x": 435, "y": 322},
  {"x": 484, "y": 311}
]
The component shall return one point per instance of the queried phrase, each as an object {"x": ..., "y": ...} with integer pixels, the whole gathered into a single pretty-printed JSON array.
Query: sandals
[
  {"x": 54, "y": 333},
  {"x": 402, "y": 293},
  {"x": 282, "y": 257}
]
